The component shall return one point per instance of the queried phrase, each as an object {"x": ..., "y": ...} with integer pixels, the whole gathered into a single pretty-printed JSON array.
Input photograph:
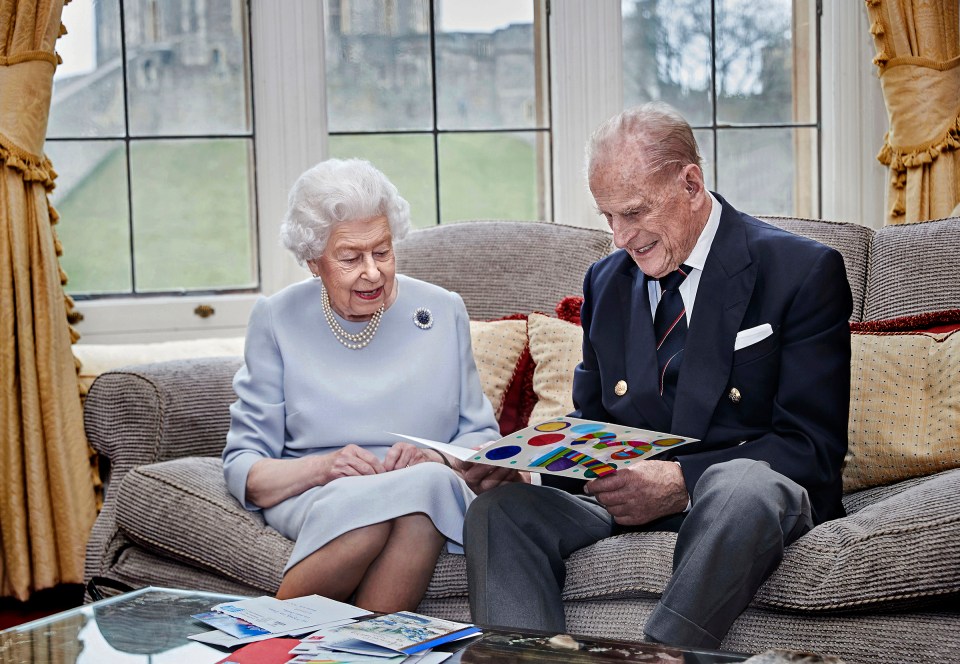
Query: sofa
[{"x": 880, "y": 585}]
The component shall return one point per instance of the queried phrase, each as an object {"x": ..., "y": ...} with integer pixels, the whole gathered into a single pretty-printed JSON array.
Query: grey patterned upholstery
[
  {"x": 504, "y": 267},
  {"x": 914, "y": 269},
  {"x": 851, "y": 240},
  {"x": 880, "y": 585}
]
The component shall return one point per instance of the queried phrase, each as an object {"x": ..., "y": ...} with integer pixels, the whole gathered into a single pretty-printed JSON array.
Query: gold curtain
[
  {"x": 46, "y": 494},
  {"x": 918, "y": 55}
]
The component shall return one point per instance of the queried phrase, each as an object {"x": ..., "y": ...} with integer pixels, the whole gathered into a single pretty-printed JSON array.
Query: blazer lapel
[{"x": 723, "y": 294}]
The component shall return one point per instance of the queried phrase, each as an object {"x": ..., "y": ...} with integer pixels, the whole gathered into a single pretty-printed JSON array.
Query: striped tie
[{"x": 670, "y": 331}]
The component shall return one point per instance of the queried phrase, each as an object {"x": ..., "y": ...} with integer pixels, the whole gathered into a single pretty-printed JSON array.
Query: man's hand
[
  {"x": 482, "y": 477},
  {"x": 402, "y": 454},
  {"x": 642, "y": 493}
]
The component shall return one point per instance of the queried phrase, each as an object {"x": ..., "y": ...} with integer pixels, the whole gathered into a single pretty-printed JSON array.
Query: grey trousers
[{"x": 743, "y": 515}]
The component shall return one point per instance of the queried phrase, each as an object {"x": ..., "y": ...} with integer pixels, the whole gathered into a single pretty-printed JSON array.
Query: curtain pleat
[
  {"x": 46, "y": 491},
  {"x": 918, "y": 57}
]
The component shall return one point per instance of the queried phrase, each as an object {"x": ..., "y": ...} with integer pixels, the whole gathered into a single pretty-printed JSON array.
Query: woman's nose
[{"x": 370, "y": 269}]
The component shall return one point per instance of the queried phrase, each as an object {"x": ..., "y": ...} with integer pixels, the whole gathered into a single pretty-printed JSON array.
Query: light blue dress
[{"x": 302, "y": 392}]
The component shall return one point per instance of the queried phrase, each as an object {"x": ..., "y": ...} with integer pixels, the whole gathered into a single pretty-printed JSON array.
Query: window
[
  {"x": 456, "y": 107},
  {"x": 745, "y": 75},
  {"x": 449, "y": 98},
  {"x": 151, "y": 131}
]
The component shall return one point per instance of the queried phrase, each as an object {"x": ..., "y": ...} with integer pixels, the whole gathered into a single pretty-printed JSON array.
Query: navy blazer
[{"x": 794, "y": 385}]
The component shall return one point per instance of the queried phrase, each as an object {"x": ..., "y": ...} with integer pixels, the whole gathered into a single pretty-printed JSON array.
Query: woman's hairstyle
[
  {"x": 657, "y": 133},
  {"x": 334, "y": 191}
]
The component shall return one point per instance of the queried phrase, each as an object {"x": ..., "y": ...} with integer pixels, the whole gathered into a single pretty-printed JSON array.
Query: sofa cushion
[
  {"x": 869, "y": 558},
  {"x": 503, "y": 267},
  {"x": 904, "y": 407},
  {"x": 181, "y": 509},
  {"x": 851, "y": 240},
  {"x": 497, "y": 347},
  {"x": 894, "y": 552},
  {"x": 899, "y": 282},
  {"x": 556, "y": 347}
]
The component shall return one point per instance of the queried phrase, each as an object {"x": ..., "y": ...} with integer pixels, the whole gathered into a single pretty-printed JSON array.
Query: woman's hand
[
  {"x": 349, "y": 461},
  {"x": 402, "y": 455}
]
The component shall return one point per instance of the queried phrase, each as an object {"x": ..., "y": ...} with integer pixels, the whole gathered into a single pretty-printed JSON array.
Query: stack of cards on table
[{"x": 329, "y": 630}]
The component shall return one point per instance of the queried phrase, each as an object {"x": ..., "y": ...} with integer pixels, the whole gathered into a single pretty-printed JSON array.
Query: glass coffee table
[{"x": 152, "y": 625}]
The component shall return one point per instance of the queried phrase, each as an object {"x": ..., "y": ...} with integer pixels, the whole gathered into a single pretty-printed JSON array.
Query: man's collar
[{"x": 698, "y": 257}]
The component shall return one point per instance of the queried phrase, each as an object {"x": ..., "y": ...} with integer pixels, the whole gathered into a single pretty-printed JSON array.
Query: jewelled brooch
[{"x": 422, "y": 318}]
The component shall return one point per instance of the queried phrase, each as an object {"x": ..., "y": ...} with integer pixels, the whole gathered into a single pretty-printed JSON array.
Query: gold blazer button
[
  {"x": 734, "y": 395},
  {"x": 620, "y": 388}
]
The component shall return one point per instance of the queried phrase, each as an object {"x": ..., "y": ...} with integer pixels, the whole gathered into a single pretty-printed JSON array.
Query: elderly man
[{"x": 707, "y": 323}]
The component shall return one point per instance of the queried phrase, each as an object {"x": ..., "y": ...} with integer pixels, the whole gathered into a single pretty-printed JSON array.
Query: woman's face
[{"x": 358, "y": 268}]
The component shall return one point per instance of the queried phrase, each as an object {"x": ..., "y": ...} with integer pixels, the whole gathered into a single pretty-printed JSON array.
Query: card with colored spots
[{"x": 567, "y": 446}]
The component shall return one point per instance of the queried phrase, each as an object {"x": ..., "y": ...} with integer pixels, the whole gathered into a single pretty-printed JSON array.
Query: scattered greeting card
[{"x": 406, "y": 632}]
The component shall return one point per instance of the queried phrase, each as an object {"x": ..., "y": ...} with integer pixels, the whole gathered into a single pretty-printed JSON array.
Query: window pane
[
  {"x": 91, "y": 198},
  {"x": 187, "y": 67},
  {"x": 666, "y": 55},
  {"x": 488, "y": 57},
  {"x": 704, "y": 139},
  {"x": 88, "y": 86},
  {"x": 406, "y": 160},
  {"x": 490, "y": 176},
  {"x": 769, "y": 171},
  {"x": 764, "y": 70},
  {"x": 378, "y": 65},
  {"x": 192, "y": 207}
]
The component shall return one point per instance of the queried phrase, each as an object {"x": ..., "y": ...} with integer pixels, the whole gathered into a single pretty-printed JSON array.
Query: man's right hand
[{"x": 482, "y": 477}]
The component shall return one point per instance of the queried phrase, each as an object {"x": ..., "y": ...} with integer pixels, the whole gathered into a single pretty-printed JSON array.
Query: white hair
[
  {"x": 335, "y": 191},
  {"x": 662, "y": 138}
]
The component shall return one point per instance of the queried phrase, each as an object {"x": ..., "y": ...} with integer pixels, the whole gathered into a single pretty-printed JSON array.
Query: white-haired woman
[{"x": 332, "y": 365}]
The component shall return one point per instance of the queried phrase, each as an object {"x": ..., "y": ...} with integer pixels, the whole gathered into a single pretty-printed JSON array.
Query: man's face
[{"x": 656, "y": 219}]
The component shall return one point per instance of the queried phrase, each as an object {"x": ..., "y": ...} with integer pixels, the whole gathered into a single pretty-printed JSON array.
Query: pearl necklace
[{"x": 351, "y": 341}]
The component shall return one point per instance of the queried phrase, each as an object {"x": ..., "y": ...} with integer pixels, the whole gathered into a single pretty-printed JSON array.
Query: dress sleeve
[
  {"x": 257, "y": 417},
  {"x": 478, "y": 423}
]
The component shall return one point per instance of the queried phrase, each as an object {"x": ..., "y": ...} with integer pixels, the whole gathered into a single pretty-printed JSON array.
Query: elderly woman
[{"x": 332, "y": 365}]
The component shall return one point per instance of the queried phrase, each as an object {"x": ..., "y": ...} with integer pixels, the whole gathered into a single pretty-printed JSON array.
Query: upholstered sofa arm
[{"x": 146, "y": 413}]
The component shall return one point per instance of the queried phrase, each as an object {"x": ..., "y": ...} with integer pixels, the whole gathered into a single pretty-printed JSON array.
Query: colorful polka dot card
[{"x": 568, "y": 446}]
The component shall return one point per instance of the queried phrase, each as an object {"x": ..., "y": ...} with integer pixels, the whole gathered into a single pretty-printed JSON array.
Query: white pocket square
[{"x": 751, "y": 336}]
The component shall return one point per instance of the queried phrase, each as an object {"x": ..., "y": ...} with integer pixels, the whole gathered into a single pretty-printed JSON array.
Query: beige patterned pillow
[
  {"x": 904, "y": 407},
  {"x": 497, "y": 346},
  {"x": 557, "y": 348}
]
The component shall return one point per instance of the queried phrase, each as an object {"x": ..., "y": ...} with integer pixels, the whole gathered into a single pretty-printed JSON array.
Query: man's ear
[{"x": 692, "y": 179}]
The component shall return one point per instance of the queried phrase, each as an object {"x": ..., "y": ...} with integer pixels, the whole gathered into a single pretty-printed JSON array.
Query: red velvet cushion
[
  {"x": 935, "y": 321},
  {"x": 569, "y": 309},
  {"x": 519, "y": 399}
]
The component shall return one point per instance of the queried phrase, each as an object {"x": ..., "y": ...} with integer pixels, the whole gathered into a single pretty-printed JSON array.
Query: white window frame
[
  {"x": 586, "y": 88},
  {"x": 290, "y": 135}
]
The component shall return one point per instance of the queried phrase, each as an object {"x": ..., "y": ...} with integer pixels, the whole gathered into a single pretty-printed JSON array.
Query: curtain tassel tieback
[{"x": 900, "y": 159}]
